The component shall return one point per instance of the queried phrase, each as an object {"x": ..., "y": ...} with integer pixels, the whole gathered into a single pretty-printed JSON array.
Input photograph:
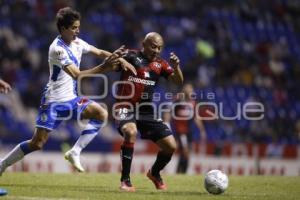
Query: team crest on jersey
[
  {"x": 156, "y": 67},
  {"x": 60, "y": 55},
  {"x": 156, "y": 64},
  {"x": 44, "y": 117}
]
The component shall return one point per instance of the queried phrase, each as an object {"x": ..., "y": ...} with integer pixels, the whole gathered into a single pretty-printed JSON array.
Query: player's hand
[
  {"x": 4, "y": 87},
  {"x": 127, "y": 66},
  {"x": 121, "y": 51},
  {"x": 113, "y": 59},
  {"x": 123, "y": 63},
  {"x": 174, "y": 60}
]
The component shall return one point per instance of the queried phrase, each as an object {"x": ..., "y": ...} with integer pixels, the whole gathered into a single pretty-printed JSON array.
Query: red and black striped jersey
[{"x": 141, "y": 86}]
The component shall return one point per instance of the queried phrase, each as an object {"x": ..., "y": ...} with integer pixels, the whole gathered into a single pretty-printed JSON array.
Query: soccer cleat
[
  {"x": 74, "y": 159},
  {"x": 157, "y": 181},
  {"x": 2, "y": 167},
  {"x": 127, "y": 186}
]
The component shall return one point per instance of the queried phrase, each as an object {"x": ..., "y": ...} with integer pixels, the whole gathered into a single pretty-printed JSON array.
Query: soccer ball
[{"x": 216, "y": 182}]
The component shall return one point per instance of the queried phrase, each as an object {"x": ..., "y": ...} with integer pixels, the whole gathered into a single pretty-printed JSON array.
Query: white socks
[
  {"x": 83, "y": 141},
  {"x": 13, "y": 156},
  {"x": 87, "y": 135}
]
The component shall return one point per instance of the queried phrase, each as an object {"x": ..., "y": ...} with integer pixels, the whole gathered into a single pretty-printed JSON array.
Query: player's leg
[
  {"x": 184, "y": 151},
  {"x": 167, "y": 148},
  {"x": 36, "y": 143},
  {"x": 96, "y": 115},
  {"x": 159, "y": 133},
  {"x": 129, "y": 132},
  {"x": 180, "y": 153}
]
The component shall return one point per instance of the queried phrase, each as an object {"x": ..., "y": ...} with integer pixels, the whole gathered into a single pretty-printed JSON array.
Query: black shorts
[{"x": 149, "y": 128}]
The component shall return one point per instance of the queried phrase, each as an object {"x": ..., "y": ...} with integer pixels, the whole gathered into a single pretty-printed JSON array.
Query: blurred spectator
[{"x": 184, "y": 117}]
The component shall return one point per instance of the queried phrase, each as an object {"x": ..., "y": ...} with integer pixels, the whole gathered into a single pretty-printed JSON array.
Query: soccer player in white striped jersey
[{"x": 60, "y": 100}]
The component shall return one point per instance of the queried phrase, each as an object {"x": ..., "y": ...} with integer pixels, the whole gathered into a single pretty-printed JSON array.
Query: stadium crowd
[{"x": 241, "y": 51}]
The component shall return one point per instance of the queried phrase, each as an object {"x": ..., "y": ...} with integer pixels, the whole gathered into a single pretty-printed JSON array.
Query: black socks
[
  {"x": 161, "y": 161},
  {"x": 126, "y": 158}
]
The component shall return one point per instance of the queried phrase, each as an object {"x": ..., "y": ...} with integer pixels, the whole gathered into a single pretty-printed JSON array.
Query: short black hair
[{"x": 65, "y": 17}]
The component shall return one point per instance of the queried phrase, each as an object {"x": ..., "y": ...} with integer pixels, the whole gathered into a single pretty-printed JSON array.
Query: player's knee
[
  {"x": 129, "y": 132},
  {"x": 104, "y": 114},
  {"x": 171, "y": 148},
  {"x": 101, "y": 114}
]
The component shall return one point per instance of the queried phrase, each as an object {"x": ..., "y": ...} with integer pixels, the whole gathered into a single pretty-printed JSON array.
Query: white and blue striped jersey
[{"x": 61, "y": 86}]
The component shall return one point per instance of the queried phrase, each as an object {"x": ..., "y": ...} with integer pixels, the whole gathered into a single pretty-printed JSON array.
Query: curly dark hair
[{"x": 65, "y": 17}]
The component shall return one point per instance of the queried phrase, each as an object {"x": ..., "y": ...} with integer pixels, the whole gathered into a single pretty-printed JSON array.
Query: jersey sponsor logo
[{"x": 142, "y": 81}]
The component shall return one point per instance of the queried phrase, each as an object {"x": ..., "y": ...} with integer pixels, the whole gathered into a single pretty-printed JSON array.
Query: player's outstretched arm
[
  {"x": 107, "y": 65},
  {"x": 177, "y": 76},
  {"x": 123, "y": 63},
  {"x": 4, "y": 87}
]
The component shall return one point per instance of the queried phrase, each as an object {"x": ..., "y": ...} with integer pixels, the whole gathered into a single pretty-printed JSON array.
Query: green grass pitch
[{"x": 29, "y": 186}]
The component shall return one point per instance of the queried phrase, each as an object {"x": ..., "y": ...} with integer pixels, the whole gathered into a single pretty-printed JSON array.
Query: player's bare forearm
[
  {"x": 121, "y": 52},
  {"x": 107, "y": 66},
  {"x": 99, "y": 69},
  {"x": 104, "y": 54},
  {"x": 178, "y": 76},
  {"x": 75, "y": 73},
  {"x": 99, "y": 52}
]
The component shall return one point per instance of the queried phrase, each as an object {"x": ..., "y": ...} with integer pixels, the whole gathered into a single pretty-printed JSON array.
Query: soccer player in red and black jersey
[
  {"x": 185, "y": 113},
  {"x": 134, "y": 110}
]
